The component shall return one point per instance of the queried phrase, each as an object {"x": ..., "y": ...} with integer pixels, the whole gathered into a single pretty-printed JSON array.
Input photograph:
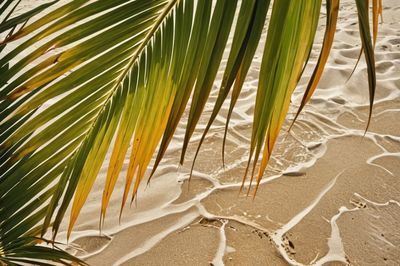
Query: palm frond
[
  {"x": 90, "y": 72},
  {"x": 27, "y": 251}
]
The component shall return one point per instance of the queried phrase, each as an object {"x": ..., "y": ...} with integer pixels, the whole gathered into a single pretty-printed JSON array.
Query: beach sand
[{"x": 330, "y": 195}]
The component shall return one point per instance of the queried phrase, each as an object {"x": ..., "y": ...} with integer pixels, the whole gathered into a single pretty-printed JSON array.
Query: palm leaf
[
  {"x": 332, "y": 12},
  {"x": 91, "y": 72},
  {"x": 368, "y": 48}
]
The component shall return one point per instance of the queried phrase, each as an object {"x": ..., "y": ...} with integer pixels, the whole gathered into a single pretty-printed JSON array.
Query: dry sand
[{"x": 330, "y": 195}]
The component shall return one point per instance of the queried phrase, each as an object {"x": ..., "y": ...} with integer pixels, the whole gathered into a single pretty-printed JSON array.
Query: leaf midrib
[{"x": 134, "y": 57}]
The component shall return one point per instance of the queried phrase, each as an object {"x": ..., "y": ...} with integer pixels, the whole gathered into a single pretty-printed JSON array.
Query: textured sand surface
[{"x": 330, "y": 195}]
